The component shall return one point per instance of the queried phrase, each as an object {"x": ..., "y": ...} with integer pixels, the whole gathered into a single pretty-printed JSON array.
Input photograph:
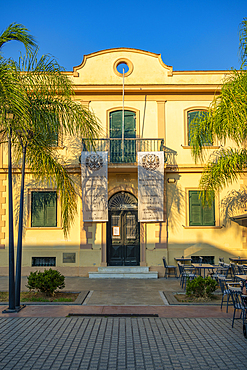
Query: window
[
  {"x": 205, "y": 259},
  {"x": 116, "y": 155},
  {"x": 43, "y": 261},
  {"x": 192, "y": 117},
  {"x": 199, "y": 215},
  {"x": 43, "y": 209}
]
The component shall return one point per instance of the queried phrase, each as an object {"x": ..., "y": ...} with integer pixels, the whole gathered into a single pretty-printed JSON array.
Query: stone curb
[
  {"x": 173, "y": 302},
  {"x": 78, "y": 302}
]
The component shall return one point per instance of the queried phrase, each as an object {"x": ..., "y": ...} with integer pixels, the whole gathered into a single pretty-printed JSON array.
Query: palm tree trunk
[
  {"x": 11, "y": 231},
  {"x": 19, "y": 243}
]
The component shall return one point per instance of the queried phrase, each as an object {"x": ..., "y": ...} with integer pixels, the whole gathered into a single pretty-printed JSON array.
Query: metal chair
[
  {"x": 169, "y": 268},
  {"x": 225, "y": 291},
  {"x": 238, "y": 304},
  {"x": 233, "y": 269},
  {"x": 221, "y": 272},
  {"x": 188, "y": 273}
]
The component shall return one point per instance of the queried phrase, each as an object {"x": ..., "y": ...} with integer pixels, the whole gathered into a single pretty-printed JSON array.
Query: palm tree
[
  {"x": 50, "y": 110},
  {"x": 12, "y": 100},
  {"x": 39, "y": 96},
  {"x": 227, "y": 119}
]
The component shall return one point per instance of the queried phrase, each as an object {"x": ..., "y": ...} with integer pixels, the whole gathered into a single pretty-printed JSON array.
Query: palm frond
[
  {"x": 17, "y": 32},
  {"x": 243, "y": 43},
  {"x": 50, "y": 109},
  {"x": 224, "y": 167},
  {"x": 46, "y": 168},
  {"x": 13, "y": 97}
]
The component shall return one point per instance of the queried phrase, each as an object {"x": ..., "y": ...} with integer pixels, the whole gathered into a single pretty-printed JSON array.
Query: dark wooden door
[{"x": 123, "y": 238}]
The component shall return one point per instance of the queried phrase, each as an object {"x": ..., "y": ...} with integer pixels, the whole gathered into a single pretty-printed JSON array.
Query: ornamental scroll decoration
[
  {"x": 94, "y": 162},
  {"x": 150, "y": 162}
]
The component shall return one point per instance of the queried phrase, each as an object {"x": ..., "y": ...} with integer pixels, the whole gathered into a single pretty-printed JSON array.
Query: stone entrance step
[{"x": 124, "y": 272}]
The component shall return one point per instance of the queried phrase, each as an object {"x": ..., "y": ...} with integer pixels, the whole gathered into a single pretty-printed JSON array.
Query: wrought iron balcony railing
[{"x": 124, "y": 151}]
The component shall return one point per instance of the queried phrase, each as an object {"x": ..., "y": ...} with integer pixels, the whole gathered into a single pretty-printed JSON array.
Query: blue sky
[{"x": 190, "y": 35}]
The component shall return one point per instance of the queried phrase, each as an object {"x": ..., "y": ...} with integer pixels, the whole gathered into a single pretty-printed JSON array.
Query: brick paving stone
[{"x": 121, "y": 343}]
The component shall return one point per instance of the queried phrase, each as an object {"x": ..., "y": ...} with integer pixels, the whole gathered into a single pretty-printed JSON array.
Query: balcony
[{"x": 124, "y": 151}]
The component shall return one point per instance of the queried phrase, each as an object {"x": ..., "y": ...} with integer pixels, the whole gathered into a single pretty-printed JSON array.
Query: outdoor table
[
  {"x": 204, "y": 266},
  {"x": 235, "y": 288},
  {"x": 237, "y": 259},
  {"x": 182, "y": 259},
  {"x": 241, "y": 277}
]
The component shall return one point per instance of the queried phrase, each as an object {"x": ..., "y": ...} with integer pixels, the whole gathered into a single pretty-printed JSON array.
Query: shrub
[
  {"x": 45, "y": 282},
  {"x": 201, "y": 287}
]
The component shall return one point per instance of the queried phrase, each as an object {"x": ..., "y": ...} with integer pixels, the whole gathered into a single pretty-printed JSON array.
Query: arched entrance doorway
[{"x": 123, "y": 232}]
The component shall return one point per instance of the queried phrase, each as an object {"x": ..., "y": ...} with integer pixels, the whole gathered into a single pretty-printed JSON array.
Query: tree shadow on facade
[
  {"x": 233, "y": 204},
  {"x": 175, "y": 204}
]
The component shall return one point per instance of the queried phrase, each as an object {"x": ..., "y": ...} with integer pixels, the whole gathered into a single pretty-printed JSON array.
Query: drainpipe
[{"x": 167, "y": 233}]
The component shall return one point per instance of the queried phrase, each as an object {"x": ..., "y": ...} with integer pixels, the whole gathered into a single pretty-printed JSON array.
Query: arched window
[
  {"x": 116, "y": 150},
  {"x": 193, "y": 117}
]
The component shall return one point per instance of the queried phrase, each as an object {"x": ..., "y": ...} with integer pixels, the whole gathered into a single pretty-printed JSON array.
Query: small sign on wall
[
  {"x": 115, "y": 231},
  {"x": 68, "y": 257}
]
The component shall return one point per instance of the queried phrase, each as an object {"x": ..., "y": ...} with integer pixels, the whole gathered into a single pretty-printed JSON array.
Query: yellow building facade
[{"x": 159, "y": 105}]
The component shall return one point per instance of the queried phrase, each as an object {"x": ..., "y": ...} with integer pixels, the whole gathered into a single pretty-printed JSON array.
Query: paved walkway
[
  {"x": 181, "y": 337},
  {"x": 121, "y": 343}
]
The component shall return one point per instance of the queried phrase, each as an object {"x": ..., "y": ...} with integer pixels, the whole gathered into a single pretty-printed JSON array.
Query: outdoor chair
[
  {"x": 238, "y": 304},
  {"x": 188, "y": 273},
  {"x": 240, "y": 269},
  {"x": 225, "y": 291},
  {"x": 233, "y": 269},
  {"x": 220, "y": 272},
  {"x": 221, "y": 260},
  {"x": 180, "y": 270},
  {"x": 169, "y": 269}
]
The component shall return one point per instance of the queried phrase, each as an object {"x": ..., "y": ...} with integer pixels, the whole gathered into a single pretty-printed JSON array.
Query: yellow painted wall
[{"x": 160, "y": 98}]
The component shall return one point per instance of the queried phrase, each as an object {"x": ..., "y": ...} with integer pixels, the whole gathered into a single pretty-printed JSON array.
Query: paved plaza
[
  {"x": 115, "y": 328},
  {"x": 121, "y": 343}
]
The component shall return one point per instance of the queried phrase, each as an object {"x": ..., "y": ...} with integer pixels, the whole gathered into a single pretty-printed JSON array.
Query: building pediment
[{"x": 101, "y": 68}]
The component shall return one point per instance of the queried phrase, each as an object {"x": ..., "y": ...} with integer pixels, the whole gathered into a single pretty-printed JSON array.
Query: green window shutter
[
  {"x": 206, "y": 138},
  {"x": 116, "y": 133},
  {"x": 195, "y": 208},
  {"x": 37, "y": 209},
  {"x": 116, "y": 124},
  {"x": 209, "y": 215},
  {"x": 191, "y": 117},
  {"x": 199, "y": 215},
  {"x": 129, "y": 124},
  {"x": 44, "y": 209},
  {"x": 50, "y": 209}
]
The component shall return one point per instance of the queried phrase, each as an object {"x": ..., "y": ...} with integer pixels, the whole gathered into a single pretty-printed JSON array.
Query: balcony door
[
  {"x": 123, "y": 234},
  {"x": 129, "y": 147}
]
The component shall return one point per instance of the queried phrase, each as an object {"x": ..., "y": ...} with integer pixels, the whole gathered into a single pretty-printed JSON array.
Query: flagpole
[{"x": 123, "y": 122}]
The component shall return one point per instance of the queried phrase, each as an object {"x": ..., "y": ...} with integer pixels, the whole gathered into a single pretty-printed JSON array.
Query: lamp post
[{"x": 11, "y": 307}]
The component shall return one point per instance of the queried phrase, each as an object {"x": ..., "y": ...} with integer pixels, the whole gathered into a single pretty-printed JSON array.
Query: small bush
[
  {"x": 46, "y": 282},
  {"x": 201, "y": 287}
]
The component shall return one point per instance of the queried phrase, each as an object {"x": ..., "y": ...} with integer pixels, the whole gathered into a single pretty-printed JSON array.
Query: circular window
[{"x": 121, "y": 66}]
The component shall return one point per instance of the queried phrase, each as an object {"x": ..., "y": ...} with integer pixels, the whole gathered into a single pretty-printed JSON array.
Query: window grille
[{"x": 43, "y": 261}]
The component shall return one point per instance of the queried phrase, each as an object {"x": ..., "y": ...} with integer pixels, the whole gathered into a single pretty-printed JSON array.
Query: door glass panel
[
  {"x": 115, "y": 224},
  {"x": 130, "y": 227}
]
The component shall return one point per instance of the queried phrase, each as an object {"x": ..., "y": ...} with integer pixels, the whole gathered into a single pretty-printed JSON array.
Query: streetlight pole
[
  {"x": 19, "y": 243},
  {"x": 11, "y": 307}
]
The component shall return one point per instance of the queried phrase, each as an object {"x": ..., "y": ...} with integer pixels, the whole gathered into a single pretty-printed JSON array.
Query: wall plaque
[
  {"x": 68, "y": 257},
  {"x": 150, "y": 186},
  {"x": 94, "y": 186}
]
